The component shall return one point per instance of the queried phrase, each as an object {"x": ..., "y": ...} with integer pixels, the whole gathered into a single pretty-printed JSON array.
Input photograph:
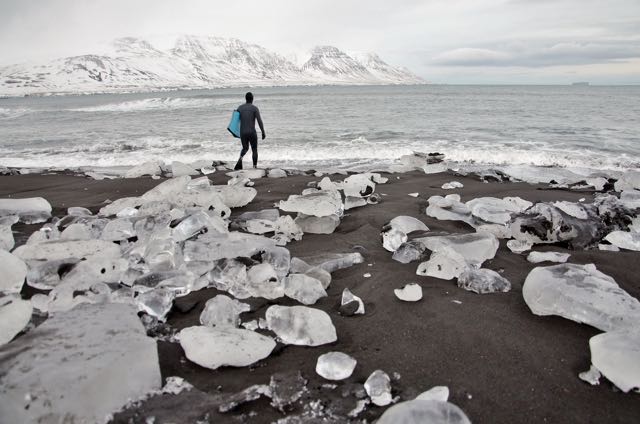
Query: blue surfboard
[{"x": 234, "y": 124}]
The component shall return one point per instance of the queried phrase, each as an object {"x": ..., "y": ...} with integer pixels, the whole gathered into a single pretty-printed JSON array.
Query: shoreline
[{"x": 501, "y": 363}]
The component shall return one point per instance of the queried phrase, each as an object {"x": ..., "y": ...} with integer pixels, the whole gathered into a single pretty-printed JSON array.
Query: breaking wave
[
  {"x": 6, "y": 113},
  {"x": 156, "y": 103}
]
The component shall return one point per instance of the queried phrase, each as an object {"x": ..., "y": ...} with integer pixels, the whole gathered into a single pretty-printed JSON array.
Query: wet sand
[{"x": 502, "y": 363}]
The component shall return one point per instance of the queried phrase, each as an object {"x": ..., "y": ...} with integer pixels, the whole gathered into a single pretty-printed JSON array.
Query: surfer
[{"x": 249, "y": 114}]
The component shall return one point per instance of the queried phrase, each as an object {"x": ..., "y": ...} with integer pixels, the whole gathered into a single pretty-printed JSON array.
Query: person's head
[{"x": 249, "y": 97}]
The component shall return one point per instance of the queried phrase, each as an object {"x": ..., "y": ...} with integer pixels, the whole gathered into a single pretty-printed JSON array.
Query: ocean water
[{"x": 348, "y": 127}]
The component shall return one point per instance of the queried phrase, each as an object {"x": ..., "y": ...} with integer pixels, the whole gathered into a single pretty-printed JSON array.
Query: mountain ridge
[{"x": 194, "y": 62}]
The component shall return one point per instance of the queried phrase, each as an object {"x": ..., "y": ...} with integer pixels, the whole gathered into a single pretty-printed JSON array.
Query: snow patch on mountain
[{"x": 136, "y": 64}]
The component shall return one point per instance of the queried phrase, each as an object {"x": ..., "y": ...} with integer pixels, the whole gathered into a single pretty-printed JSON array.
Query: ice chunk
[
  {"x": 235, "y": 196},
  {"x": 409, "y": 251},
  {"x": 6, "y": 237},
  {"x": 608, "y": 247},
  {"x": 483, "y": 281},
  {"x": 537, "y": 257},
  {"x": 319, "y": 203},
  {"x": 407, "y": 224},
  {"x": 230, "y": 275},
  {"x": 306, "y": 290},
  {"x": 393, "y": 238},
  {"x": 616, "y": 355},
  {"x": 15, "y": 314},
  {"x": 179, "y": 169},
  {"x": 72, "y": 367},
  {"x": 222, "y": 311},
  {"x": 445, "y": 263},
  {"x": 147, "y": 168},
  {"x": 424, "y": 411},
  {"x": 580, "y": 293},
  {"x": 448, "y": 208},
  {"x": 592, "y": 376},
  {"x": 348, "y": 298},
  {"x": 118, "y": 230},
  {"x": 437, "y": 393},
  {"x": 252, "y": 174},
  {"x": 474, "y": 248},
  {"x": 409, "y": 293},
  {"x": 317, "y": 225},
  {"x": 573, "y": 209},
  {"x": 452, "y": 185},
  {"x": 286, "y": 230},
  {"x": 214, "y": 347},
  {"x": 331, "y": 262},
  {"x": 118, "y": 205},
  {"x": 157, "y": 302},
  {"x": 413, "y": 194},
  {"x": 319, "y": 274},
  {"x": 276, "y": 173},
  {"x": 519, "y": 246},
  {"x": 358, "y": 185},
  {"x": 14, "y": 271},
  {"x": 96, "y": 269},
  {"x": 335, "y": 366},
  {"x": 263, "y": 215},
  {"x": 57, "y": 250},
  {"x": 78, "y": 211},
  {"x": 197, "y": 222},
  {"x": 497, "y": 211},
  {"x": 624, "y": 239},
  {"x": 630, "y": 198},
  {"x": 351, "y": 202},
  {"x": 279, "y": 258},
  {"x": 232, "y": 245},
  {"x": 78, "y": 231},
  {"x": 264, "y": 282},
  {"x": 301, "y": 325},
  {"x": 378, "y": 387},
  {"x": 29, "y": 211}
]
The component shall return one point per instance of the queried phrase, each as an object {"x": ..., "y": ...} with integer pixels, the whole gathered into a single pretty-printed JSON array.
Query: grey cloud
[{"x": 532, "y": 55}]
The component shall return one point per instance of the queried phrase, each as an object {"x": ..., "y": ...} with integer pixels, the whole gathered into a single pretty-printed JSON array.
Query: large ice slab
[
  {"x": 475, "y": 248},
  {"x": 335, "y": 365},
  {"x": 624, "y": 239},
  {"x": 301, "y": 325},
  {"x": 73, "y": 367},
  {"x": 483, "y": 281},
  {"x": 14, "y": 272},
  {"x": 29, "y": 211},
  {"x": 232, "y": 245},
  {"x": 15, "y": 314},
  {"x": 147, "y": 168},
  {"x": 214, "y": 347},
  {"x": 320, "y": 203},
  {"x": 616, "y": 355},
  {"x": 424, "y": 411},
  {"x": 331, "y": 262},
  {"x": 358, "y": 185},
  {"x": 64, "y": 249},
  {"x": 580, "y": 293},
  {"x": 495, "y": 210}
]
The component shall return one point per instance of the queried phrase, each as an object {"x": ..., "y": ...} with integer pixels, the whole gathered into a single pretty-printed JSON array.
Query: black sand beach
[{"x": 502, "y": 363}]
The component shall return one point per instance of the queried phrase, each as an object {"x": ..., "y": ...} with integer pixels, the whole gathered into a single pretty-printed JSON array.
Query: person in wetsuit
[{"x": 249, "y": 114}]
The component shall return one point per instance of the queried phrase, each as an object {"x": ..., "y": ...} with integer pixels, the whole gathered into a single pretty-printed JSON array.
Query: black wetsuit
[{"x": 249, "y": 114}]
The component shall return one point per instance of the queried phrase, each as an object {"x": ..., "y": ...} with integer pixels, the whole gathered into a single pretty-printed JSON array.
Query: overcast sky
[{"x": 444, "y": 41}]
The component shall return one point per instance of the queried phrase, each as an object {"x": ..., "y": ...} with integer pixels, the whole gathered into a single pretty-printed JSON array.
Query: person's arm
[{"x": 260, "y": 123}]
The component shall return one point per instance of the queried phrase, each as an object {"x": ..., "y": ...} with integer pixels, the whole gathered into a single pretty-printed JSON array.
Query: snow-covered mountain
[{"x": 135, "y": 64}]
